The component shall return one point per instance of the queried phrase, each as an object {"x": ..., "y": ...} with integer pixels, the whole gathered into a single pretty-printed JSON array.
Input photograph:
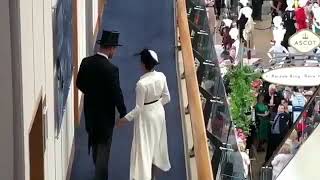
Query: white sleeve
[
  {"x": 275, "y": 161},
  {"x": 165, "y": 96},
  {"x": 247, "y": 159},
  {"x": 270, "y": 51},
  {"x": 140, "y": 95}
]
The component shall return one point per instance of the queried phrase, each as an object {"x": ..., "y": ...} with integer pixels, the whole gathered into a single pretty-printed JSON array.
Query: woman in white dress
[{"x": 149, "y": 145}]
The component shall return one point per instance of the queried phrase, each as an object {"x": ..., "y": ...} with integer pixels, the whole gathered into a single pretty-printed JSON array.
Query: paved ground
[
  {"x": 262, "y": 37},
  {"x": 262, "y": 40},
  {"x": 142, "y": 23}
]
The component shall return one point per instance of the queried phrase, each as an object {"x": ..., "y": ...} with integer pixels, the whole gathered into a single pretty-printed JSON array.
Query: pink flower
[{"x": 241, "y": 135}]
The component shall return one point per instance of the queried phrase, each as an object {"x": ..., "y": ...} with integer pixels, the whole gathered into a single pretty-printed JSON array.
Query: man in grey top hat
[{"x": 98, "y": 80}]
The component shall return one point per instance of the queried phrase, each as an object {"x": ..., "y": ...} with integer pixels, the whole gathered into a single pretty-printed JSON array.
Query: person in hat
[
  {"x": 98, "y": 80},
  {"x": 149, "y": 145}
]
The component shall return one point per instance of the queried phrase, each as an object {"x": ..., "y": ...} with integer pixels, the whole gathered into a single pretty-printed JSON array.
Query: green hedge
[{"x": 242, "y": 95}]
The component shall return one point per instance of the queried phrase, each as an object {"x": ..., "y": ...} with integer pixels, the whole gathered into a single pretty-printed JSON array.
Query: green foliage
[{"x": 242, "y": 95}]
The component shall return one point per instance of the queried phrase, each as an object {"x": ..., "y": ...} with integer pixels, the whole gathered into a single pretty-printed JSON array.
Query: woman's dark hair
[
  {"x": 285, "y": 100},
  {"x": 148, "y": 61},
  {"x": 260, "y": 98}
]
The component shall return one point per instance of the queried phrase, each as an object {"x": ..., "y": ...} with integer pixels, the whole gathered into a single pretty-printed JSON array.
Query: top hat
[{"x": 109, "y": 38}]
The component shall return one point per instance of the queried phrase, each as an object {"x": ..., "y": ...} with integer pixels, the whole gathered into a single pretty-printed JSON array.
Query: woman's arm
[
  {"x": 165, "y": 96},
  {"x": 269, "y": 52},
  {"x": 271, "y": 102},
  {"x": 140, "y": 95},
  {"x": 279, "y": 5},
  {"x": 263, "y": 115},
  {"x": 275, "y": 161},
  {"x": 240, "y": 13},
  {"x": 272, "y": 5}
]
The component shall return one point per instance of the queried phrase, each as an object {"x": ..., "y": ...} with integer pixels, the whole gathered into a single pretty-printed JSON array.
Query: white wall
[
  {"x": 37, "y": 73},
  {"x": 49, "y": 93},
  {"x": 6, "y": 95},
  {"x": 305, "y": 164},
  {"x": 37, "y": 81},
  {"x": 33, "y": 78},
  {"x": 87, "y": 22}
]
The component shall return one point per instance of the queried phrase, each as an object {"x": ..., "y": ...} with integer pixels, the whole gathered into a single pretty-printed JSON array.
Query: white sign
[
  {"x": 304, "y": 41},
  {"x": 298, "y": 100},
  {"x": 294, "y": 76}
]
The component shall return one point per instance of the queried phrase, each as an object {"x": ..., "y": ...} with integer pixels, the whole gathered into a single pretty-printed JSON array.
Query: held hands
[{"x": 121, "y": 122}]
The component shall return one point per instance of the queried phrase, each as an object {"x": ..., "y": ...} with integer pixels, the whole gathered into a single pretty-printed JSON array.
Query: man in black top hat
[{"x": 98, "y": 80}]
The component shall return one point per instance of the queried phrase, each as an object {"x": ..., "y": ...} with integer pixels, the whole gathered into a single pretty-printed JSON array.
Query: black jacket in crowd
[
  {"x": 98, "y": 79},
  {"x": 283, "y": 123}
]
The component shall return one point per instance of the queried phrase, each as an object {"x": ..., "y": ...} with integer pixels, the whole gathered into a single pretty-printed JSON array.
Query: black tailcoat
[{"x": 98, "y": 79}]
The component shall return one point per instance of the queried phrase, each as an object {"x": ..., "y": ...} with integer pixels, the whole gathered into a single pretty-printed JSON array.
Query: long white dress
[{"x": 149, "y": 145}]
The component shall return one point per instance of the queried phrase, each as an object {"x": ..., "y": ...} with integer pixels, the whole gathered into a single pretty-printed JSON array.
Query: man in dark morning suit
[
  {"x": 98, "y": 80},
  {"x": 279, "y": 129}
]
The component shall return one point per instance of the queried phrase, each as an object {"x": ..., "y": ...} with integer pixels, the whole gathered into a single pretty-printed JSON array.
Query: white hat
[
  {"x": 308, "y": 93},
  {"x": 234, "y": 32},
  {"x": 244, "y": 2},
  {"x": 148, "y": 54},
  {"x": 277, "y": 20},
  {"x": 227, "y": 22},
  {"x": 302, "y": 3},
  {"x": 247, "y": 11},
  {"x": 154, "y": 55}
]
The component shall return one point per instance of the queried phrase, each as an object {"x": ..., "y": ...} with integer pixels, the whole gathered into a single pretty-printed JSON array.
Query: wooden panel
[
  {"x": 101, "y": 5},
  {"x": 202, "y": 156},
  {"x": 36, "y": 148}
]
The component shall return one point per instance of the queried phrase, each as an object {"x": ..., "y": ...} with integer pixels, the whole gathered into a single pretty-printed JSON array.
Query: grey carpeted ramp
[{"x": 142, "y": 23}]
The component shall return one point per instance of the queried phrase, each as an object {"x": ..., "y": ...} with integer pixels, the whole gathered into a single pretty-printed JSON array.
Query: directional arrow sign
[{"x": 304, "y": 41}]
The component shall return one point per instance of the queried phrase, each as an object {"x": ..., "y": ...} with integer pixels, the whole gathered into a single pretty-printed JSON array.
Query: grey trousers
[{"x": 100, "y": 155}]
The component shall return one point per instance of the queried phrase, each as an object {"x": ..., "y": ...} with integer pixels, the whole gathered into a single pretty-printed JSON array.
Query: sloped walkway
[{"x": 142, "y": 23}]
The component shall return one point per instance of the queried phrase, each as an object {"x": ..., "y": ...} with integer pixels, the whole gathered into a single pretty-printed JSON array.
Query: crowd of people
[
  {"x": 303, "y": 129},
  {"x": 278, "y": 107},
  {"x": 276, "y": 112}
]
